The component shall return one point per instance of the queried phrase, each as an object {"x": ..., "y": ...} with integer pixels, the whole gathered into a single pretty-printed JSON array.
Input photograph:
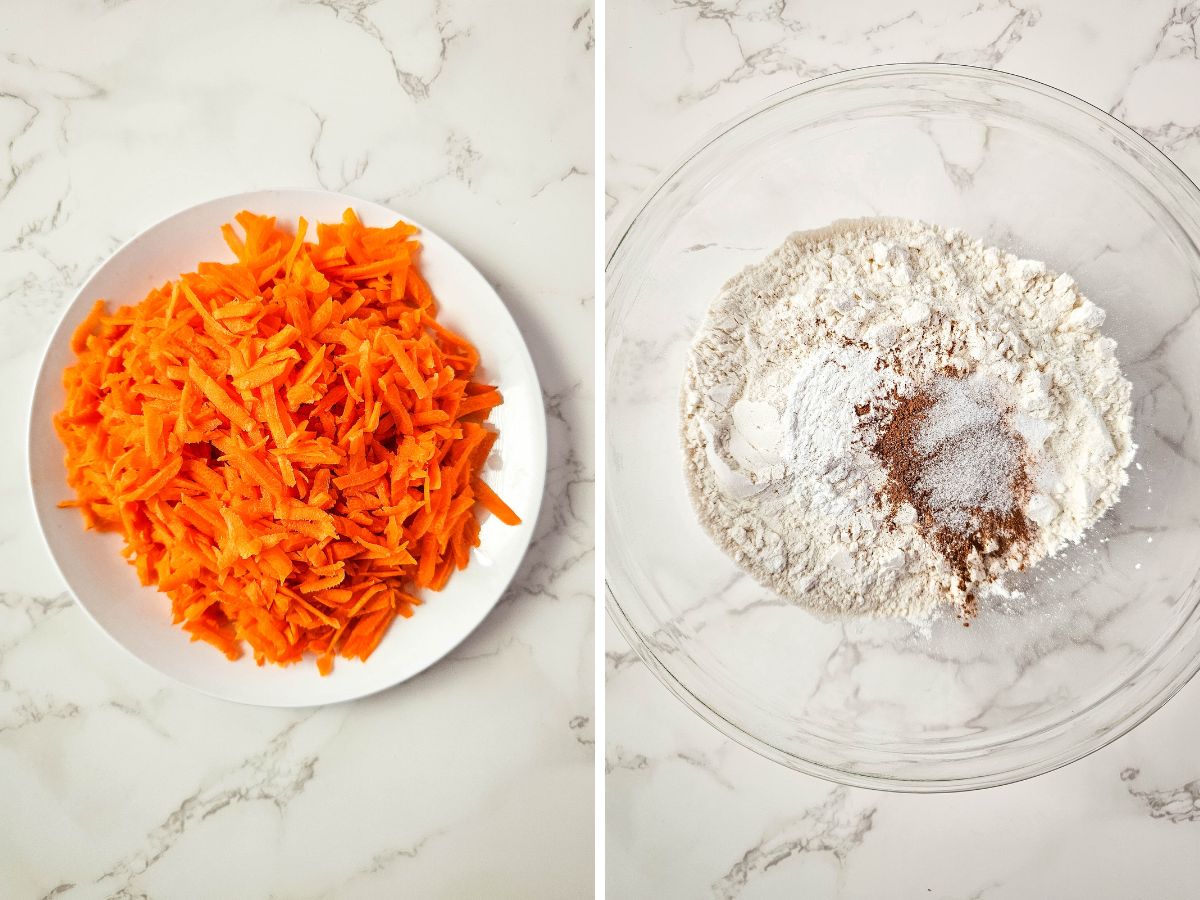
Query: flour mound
[{"x": 803, "y": 357}]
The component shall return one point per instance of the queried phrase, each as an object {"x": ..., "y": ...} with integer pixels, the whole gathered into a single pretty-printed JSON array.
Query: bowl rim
[
  {"x": 539, "y": 438},
  {"x": 624, "y": 623}
]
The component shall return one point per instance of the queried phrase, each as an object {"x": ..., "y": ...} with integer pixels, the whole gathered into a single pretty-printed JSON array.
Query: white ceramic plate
[{"x": 138, "y": 618}]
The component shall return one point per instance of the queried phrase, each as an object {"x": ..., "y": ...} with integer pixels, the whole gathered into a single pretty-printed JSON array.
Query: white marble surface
[
  {"x": 474, "y": 779},
  {"x": 691, "y": 814}
]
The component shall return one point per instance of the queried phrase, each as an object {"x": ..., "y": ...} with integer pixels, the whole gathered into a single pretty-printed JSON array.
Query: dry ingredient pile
[{"x": 885, "y": 416}]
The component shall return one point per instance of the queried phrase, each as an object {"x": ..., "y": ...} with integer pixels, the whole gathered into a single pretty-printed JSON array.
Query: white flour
[{"x": 800, "y": 359}]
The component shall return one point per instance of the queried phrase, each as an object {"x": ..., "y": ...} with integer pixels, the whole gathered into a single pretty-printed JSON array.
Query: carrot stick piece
[
  {"x": 234, "y": 242},
  {"x": 407, "y": 367},
  {"x": 85, "y": 328},
  {"x": 211, "y": 325},
  {"x": 216, "y": 395},
  {"x": 493, "y": 504},
  {"x": 260, "y": 375},
  {"x": 270, "y": 404},
  {"x": 159, "y": 480},
  {"x": 366, "y": 476},
  {"x": 473, "y": 404},
  {"x": 284, "y": 337}
]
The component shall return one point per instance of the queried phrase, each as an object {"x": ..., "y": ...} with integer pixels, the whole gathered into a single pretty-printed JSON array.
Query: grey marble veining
[
  {"x": 690, "y": 813},
  {"x": 477, "y": 773}
]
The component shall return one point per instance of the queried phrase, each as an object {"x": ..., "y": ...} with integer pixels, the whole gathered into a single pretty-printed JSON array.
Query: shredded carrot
[{"x": 290, "y": 444}]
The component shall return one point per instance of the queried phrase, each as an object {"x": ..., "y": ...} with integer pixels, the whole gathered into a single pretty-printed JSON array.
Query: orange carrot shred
[
  {"x": 495, "y": 505},
  {"x": 219, "y": 397},
  {"x": 87, "y": 326},
  {"x": 477, "y": 402},
  {"x": 290, "y": 444}
]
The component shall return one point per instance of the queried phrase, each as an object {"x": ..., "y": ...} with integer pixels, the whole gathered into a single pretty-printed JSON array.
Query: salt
[{"x": 970, "y": 457}]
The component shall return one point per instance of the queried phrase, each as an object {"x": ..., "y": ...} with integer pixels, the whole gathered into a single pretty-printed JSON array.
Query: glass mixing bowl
[{"x": 1109, "y": 629}]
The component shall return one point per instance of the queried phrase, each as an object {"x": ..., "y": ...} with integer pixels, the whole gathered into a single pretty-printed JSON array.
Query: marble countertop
[
  {"x": 691, "y": 814},
  {"x": 473, "y": 779}
]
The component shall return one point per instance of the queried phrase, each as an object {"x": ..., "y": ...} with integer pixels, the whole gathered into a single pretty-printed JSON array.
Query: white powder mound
[
  {"x": 970, "y": 458},
  {"x": 797, "y": 362}
]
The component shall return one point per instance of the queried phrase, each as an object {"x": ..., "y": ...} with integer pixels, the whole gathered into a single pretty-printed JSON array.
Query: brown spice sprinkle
[{"x": 991, "y": 536}]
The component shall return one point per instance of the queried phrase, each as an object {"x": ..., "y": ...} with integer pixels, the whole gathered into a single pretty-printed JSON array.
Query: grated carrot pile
[{"x": 291, "y": 444}]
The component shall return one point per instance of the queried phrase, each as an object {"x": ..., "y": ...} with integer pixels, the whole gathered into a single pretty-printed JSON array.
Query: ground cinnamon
[{"x": 978, "y": 541}]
